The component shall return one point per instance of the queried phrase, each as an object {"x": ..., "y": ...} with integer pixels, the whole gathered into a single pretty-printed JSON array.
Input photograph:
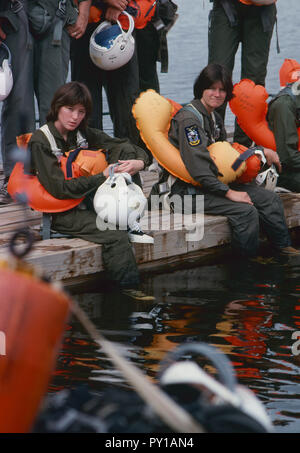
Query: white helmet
[
  {"x": 268, "y": 178},
  {"x": 118, "y": 202},
  {"x": 6, "y": 77},
  {"x": 110, "y": 46}
]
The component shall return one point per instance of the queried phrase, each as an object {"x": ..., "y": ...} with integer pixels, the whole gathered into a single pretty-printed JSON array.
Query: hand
[
  {"x": 112, "y": 14},
  {"x": 272, "y": 158},
  {"x": 239, "y": 197},
  {"x": 77, "y": 30},
  {"x": 118, "y": 4},
  {"x": 131, "y": 166}
]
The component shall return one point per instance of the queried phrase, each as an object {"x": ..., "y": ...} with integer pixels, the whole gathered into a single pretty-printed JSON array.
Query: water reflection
[{"x": 248, "y": 309}]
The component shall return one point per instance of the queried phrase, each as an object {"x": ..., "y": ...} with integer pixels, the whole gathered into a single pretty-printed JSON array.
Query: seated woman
[
  {"x": 245, "y": 205},
  {"x": 69, "y": 113}
]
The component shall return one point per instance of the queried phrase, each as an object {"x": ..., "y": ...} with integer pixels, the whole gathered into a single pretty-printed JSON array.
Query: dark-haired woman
[
  {"x": 247, "y": 206},
  {"x": 70, "y": 109}
]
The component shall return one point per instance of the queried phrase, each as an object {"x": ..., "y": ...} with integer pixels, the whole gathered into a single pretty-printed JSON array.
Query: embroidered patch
[{"x": 192, "y": 135}]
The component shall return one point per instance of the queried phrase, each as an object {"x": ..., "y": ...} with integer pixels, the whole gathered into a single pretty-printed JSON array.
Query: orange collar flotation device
[
  {"x": 257, "y": 2},
  {"x": 76, "y": 163},
  {"x": 153, "y": 114},
  {"x": 250, "y": 107},
  {"x": 141, "y": 10}
]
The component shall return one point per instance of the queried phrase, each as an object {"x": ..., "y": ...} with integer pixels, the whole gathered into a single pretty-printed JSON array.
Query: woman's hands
[
  {"x": 240, "y": 197},
  {"x": 131, "y": 166},
  {"x": 272, "y": 158}
]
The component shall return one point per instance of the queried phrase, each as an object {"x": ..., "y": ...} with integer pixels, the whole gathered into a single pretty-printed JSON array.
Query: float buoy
[{"x": 33, "y": 315}]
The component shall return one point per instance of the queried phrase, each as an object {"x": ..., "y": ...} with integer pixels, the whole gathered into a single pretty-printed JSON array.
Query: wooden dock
[{"x": 72, "y": 260}]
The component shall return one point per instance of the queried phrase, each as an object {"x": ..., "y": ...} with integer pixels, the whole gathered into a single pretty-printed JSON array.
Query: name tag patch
[{"x": 193, "y": 135}]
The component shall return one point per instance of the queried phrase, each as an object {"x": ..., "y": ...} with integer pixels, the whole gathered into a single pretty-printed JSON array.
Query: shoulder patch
[{"x": 193, "y": 135}]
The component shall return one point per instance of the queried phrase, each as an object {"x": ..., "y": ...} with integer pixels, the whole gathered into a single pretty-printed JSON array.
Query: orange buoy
[{"x": 33, "y": 315}]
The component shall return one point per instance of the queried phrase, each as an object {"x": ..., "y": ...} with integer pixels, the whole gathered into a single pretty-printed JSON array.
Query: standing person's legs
[
  {"x": 122, "y": 87},
  {"x": 147, "y": 43},
  {"x": 223, "y": 41},
  {"x": 256, "y": 42},
  {"x": 18, "y": 114},
  {"x": 51, "y": 64},
  {"x": 85, "y": 71}
]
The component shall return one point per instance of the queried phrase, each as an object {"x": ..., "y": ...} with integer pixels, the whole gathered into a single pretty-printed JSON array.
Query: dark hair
[
  {"x": 211, "y": 74},
  {"x": 71, "y": 93}
]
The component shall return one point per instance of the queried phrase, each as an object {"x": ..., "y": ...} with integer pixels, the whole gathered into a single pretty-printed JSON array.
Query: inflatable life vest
[
  {"x": 258, "y": 2},
  {"x": 289, "y": 72},
  {"x": 33, "y": 315},
  {"x": 153, "y": 114},
  {"x": 250, "y": 107},
  {"x": 76, "y": 163},
  {"x": 141, "y": 10}
]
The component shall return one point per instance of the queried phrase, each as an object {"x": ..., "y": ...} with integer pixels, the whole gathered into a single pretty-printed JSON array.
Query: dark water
[{"x": 247, "y": 309}]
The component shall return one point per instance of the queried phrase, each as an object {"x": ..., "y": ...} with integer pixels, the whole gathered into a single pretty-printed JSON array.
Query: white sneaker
[{"x": 137, "y": 235}]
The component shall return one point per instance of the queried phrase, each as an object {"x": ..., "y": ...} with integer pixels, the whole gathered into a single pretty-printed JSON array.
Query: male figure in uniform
[
  {"x": 251, "y": 23},
  {"x": 284, "y": 120}
]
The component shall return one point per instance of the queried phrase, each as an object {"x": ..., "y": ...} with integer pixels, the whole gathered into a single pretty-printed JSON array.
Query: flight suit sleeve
[
  {"x": 187, "y": 134},
  {"x": 282, "y": 121},
  {"x": 50, "y": 175},
  {"x": 117, "y": 148}
]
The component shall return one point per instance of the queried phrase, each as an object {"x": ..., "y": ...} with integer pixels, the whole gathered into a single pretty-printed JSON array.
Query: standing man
[
  {"x": 251, "y": 23},
  {"x": 17, "y": 116},
  {"x": 284, "y": 121}
]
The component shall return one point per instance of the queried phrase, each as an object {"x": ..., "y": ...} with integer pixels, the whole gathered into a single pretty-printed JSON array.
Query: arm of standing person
[{"x": 77, "y": 30}]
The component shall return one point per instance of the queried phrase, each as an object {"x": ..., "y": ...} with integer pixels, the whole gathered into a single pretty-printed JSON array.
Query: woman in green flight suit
[{"x": 70, "y": 109}]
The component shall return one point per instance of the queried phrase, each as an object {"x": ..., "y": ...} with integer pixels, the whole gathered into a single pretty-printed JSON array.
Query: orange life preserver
[
  {"x": 33, "y": 315},
  {"x": 250, "y": 108},
  {"x": 289, "y": 72},
  {"x": 258, "y": 2},
  {"x": 87, "y": 163},
  {"x": 153, "y": 114},
  {"x": 145, "y": 10}
]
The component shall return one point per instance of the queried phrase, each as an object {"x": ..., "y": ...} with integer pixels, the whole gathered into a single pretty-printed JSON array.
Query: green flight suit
[
  {"x": 283, "y": 119},
  {"x": 192, "y": 137},
  {"x": 117, "y": 254},
  {"x": 232, "y": 23},
  {"x": 51, "y": 50}
]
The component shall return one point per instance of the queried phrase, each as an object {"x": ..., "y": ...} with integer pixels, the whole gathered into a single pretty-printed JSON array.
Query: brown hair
[
  {"x": 71, "y": 93},
  {"x": 209, "y": 75}
]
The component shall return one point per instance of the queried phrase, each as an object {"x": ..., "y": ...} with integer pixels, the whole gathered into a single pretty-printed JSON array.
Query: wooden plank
[{"x": 70, "y": 259}]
